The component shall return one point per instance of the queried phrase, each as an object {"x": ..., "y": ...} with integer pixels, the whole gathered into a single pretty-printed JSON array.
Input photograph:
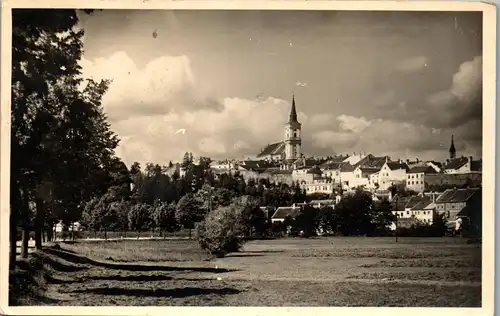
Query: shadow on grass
[
  {"x": 136, "y": 278},
  {"x": 71, "y": 257},
  {"x": 262, "y": 251},
  {"x": 59, "y": 266},
  {"x": 175, "y": 293}
]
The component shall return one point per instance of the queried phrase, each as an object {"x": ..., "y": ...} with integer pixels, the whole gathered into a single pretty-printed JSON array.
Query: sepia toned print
[{"x": 247, "y": 158}]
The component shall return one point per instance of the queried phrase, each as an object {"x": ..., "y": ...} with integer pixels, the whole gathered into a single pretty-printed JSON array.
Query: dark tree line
[{"x": 62, "y": 149}]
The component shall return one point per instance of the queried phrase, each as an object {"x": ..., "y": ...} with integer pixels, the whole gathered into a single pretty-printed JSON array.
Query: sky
[{"x": 220, "y": 83}]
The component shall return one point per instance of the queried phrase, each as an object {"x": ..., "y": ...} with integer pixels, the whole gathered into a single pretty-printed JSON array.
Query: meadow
[{"x": 418, "y": 272}]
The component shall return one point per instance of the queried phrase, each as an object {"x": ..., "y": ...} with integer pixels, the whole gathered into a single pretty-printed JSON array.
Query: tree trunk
[
  {"x": 24, "y": 246},
  {"x": 50, "y": 233},
  {"x": 190, "y": 233},
  {"x": 13, "y": 240},
  {"x": 39, "y": 219},
  {"x": 44, "y": 234},
  {"x": 105, "y": 235},
  {"x": 138, "y": 234}
]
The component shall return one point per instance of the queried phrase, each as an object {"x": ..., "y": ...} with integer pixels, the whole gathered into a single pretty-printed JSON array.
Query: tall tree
[{"x": 60, "y": 138}]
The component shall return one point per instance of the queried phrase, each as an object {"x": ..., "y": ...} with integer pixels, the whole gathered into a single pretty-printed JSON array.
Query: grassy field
[{"x": 283, "y": 272}]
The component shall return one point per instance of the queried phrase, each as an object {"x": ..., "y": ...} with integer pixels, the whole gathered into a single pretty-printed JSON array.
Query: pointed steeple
[
  {"x": 293, "y": 112},
  {"x": 453, "y": 151}
]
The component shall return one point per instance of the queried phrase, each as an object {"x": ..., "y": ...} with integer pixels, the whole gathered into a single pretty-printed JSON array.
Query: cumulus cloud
[
  {"x": 149, "y": 105},
  {"x": 462, "y": 101},
  {"x": 164, "y": 84},
  {"x": 397, "y": 139},
  {"x": 353, "y": 124},
  {"x": 412, "y": 64}
]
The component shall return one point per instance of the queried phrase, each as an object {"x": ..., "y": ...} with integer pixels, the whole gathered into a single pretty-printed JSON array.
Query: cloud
[
  {"x": 462, "y": 101},
  {"x": 149, "y": 105},
  {"x": 164, "y": 84},
  {"x": 353, "y": 124},
  {"x": 397, "y": 139},
  {"x": 412, "y": 64}
]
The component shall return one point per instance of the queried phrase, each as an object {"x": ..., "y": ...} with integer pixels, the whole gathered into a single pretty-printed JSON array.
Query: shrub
[{"x": 219, "y": 234}]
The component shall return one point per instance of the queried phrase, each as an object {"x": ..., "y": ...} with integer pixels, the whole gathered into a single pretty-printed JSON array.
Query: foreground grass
[
  {"x": 287, "y": 272},
  {"x": 140, "y": 250}
]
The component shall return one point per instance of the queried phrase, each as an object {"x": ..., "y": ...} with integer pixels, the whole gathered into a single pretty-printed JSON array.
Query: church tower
[
  {"x": 293, "y": 135},
  {"x": 453, "y": 152}
]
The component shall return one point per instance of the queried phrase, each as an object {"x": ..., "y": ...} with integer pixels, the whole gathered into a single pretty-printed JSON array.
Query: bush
[{"x": 219, "y": 234}]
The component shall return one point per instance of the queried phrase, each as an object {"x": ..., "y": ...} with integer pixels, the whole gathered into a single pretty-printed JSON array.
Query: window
[{"x": 294, "y": 134}]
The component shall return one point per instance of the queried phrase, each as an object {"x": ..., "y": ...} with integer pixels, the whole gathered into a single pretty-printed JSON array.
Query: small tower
[
  {"x": 293, "y": 135},
  {"x": 453, "y": 152}
]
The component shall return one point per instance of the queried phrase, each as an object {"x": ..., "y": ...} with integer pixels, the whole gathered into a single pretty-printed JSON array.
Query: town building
[
  {"x": 452, "y": 201},
  {"x": 416, "y": 177},
  {"x": 392, "y": 173},
  {"x": 290, "y": 147}
]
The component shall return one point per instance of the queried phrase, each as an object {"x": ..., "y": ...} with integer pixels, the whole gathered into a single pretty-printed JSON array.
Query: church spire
[
  {"x": 452, "y": 149},
  {"x": 293, "y": 112}
]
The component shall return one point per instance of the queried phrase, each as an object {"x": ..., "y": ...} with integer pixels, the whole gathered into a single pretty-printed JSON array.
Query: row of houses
[
  {"x": 318, "y": 175},
  {"x": 454, "y": 204}
]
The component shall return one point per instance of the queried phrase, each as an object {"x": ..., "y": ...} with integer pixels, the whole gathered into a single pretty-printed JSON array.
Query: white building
[{"x": 391, "y": 173}]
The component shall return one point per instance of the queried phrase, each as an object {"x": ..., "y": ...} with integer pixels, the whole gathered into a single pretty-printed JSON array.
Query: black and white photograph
[{"x": 248, "y": 157}]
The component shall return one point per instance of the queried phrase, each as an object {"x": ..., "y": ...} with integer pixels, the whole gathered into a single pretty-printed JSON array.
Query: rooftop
[
  {"x": 422, "y": 169},
  {"x": 396, "y": 165},
  {"x": 272, "y": 149},
  {"x": 457, "y": 195},
  {"x": 282, "y": 212}
]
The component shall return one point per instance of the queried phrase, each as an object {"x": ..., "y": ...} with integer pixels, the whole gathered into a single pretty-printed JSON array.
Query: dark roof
[
  {"x": 456, "y": 195},
  {"x": 256, "y": 165},
  {"x": 398, "y": 206},
  {"x": 369, "y": 170},
  {"x": 456, "y": 163},
  {"x": 422, "y": 203},
  {"x": 396, "y": 165},
  {"x": 413, "y": 201},
  {"x": 422, "y": 169},
  {"x": 452, "y": 146},
  {"x": 314, "y": 170},
  {"x": 273, "y": 149},
  {"x": 282, "y": 212},
  {"x": 293, "y": 112},
  {"x": 371, "y": 161},
  {"x": 306, "y": 162},
  {"x": 335, "y": 160},
  {"x": 278, "y": 171},
  {"x": 346, "y": 167},
  {"x": 476, "y": 165}
]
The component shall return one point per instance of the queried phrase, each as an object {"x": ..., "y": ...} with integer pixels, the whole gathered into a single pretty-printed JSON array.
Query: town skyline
[{"x": 221, "y": 85}]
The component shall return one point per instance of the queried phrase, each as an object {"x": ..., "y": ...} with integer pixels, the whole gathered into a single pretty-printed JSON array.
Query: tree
[
  {"x": 91, "y": 219},
  {"x": 219, "y": 233},
  {"x": 326, "y": 220},
  {"x": 353, "y": 214},
  {"x": 187, "y": 161},
  {"x": 253, "y": 218},
  {"x": 188, "y": 211},
  {"x": 383, "y": 218},
  {"x": 164, "y": 217},
  {"x": 139, "y": 217},
  {"x": 307, "y": 221},
  {"x": 59, "y": 135}
]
